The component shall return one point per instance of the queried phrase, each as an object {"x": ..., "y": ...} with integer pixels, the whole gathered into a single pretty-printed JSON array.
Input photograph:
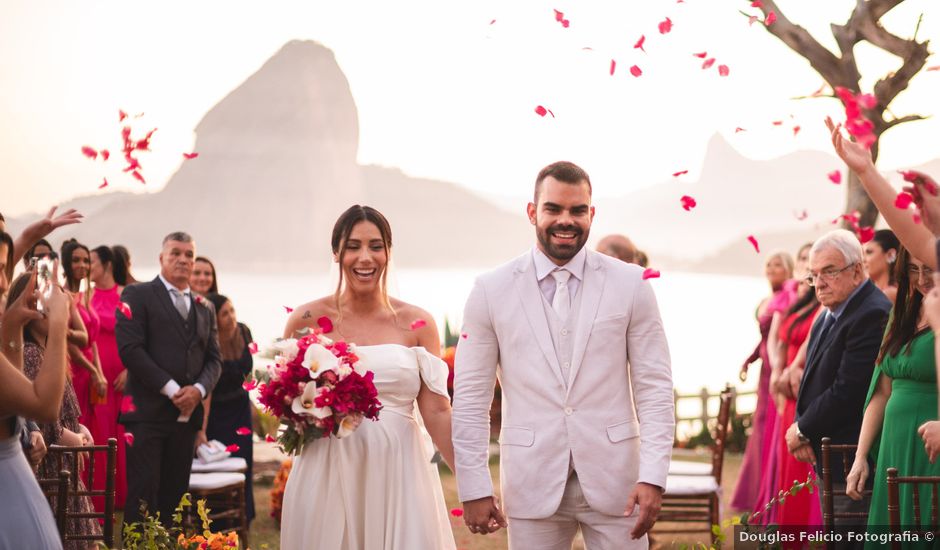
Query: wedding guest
[
  {"x": 802, "y": 508},
  {"x": 169, "y": 343},
  {"x": 203, "y": 280},
  {"x": 63, "y": 430},
  {"x": 778, "y": 269},
  {"x": 26, "y": 519},
  {"x": 87, "y": 376},
  {"x": 123, "y": 257},
  {"x": 801, "y": 265},
  {"x": 228, "y": 406},
  {"x": 902, "y": 396},
  {"x": 843, "y": 347},
  {"x": 930, "y": 431},
  {"x": 618, "y": 246},
  {"x": 880, "y": 255},
  {"x": 105, "y": 301}
]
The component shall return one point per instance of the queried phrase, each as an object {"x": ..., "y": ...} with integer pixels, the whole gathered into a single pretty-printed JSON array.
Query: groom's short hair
[{"x": 563, "y": 171}]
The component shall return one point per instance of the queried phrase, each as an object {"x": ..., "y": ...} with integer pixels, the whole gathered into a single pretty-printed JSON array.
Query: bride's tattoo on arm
[{"x": 307, "y": 314}]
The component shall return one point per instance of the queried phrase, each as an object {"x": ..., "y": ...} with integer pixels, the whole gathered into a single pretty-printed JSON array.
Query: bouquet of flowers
[{"x": 316, "y": 388}]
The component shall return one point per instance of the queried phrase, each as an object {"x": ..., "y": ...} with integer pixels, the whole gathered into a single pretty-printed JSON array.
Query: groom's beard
[{"x": 558, "y": 251}]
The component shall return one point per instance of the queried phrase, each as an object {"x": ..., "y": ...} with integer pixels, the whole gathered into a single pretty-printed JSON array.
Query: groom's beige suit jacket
[{"x": 612, "y": 419}]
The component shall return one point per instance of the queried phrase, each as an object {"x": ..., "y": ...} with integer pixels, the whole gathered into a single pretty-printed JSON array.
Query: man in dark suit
[
  {"x": 840, "y": 359},
  {"x": 169, "y": 345}
]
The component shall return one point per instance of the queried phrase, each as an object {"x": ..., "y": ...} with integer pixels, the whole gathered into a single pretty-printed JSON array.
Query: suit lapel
[
  {"x": 531, "y": 299},
  {"x": 163, "y": 296},
  {"x": 591, "y": 289}
]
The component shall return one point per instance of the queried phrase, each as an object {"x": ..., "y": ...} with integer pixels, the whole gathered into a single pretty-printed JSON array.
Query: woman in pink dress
[
  {"x": 87, "y": 378},
  {"x": 105, "y": 299},
  {"x": 778, "y": 270}
]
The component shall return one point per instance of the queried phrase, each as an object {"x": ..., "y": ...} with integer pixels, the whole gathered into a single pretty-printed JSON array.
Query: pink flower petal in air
[
  {"x": 325, "y": 324},
  {"x": 757, "y": 4},
  {"x": 105, "y": 154},
  {"x": 121, "y": 115},
  {"x": 665, "y": 26},
  {"x": 493, "y": 21},
  {"x": 835, "y": 177},
  {"x": 796, "y": 130},
  {"x": 866, "y": 234},
  {"x": 129, "y": 438},
  {"x": 249, "y": 385},
  {"x": 867, "y": 101},
  {"x": 89, "y": 152},
  {"x": 288, "y": 309},
  {"x": 232, "y": 448},
  {"x": 701, "y": 55},
  {"x": 137, "y": 175},
  {"x": 253, "y": 348},
  {"x": 418, "y": 323},
  {"x": 463, "y": 335},
  {"x": 753, "y": 242},
  {"x": 269, "y": 439},
  {"x": 127, "y": 404},
  {"x": 920, "y": 178},
  {"x": 636, "y": 71},
  {"x": 681, "y": 172},
  {"x": 457, "y": 512},
  {"x": 639, "y": 43},
  {"x": 542, "y": 111},
  {"x": 777, "y": 123},
  {"x": 565, "y": 23},
  {"x": 723, "y": 70},
  {"x": 559, "y": 16},
  {"x": 104, "y": 183},
  {"x": 739, "y": 129},
  {"x": 688, "y": 203},
  {"x": 752, "y": 19},
  {"x": 613, "y": 66},
  {"x": 771, "y": 17},
  {"x": 189, "y": 156},
  {"x": 708, "y": 63},
  {"x": 650, "y": 273},
  {"x": 903, "y": 200},
  {"x": 802, "y": 215},
  {"x": 934, "y": 68},
  {"x": 244, "y": 430},
  {"x": 125, "y": 310}
]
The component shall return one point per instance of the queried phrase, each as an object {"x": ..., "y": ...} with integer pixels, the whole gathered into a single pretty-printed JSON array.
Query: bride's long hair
[{"x": 341, "y": 231}]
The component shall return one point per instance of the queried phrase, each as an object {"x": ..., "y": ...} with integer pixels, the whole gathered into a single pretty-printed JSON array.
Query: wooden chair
[
  {"x": 64, "y": 456},
  {"x": 694, "y": 497},
  {"x": 894, "y": 508},
  {"x": 56, "y": 490},
  {"x": 224, "y": 493},
  {"x": 848, "y": 457}
]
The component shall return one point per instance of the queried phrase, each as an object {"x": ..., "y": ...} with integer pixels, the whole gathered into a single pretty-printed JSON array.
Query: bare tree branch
[{"x": 908, "y": 118}]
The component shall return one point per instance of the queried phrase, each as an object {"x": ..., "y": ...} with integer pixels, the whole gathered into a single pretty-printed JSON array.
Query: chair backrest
[
  {"x": 69, "y": 455},
  {"x": 894, "y": 504},
  {"x": 721, "y": 432},
  {"x": 56, "y": 490},
  {"x": 848, "y": 457}
]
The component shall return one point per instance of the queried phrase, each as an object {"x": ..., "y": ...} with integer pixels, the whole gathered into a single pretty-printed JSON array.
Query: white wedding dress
[{"x": 376, "y": 488}]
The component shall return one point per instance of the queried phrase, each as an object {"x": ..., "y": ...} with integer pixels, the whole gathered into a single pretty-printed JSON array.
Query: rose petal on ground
[
  {"x": 126, "y": 310},
  {"x": 104, "y": 183},
  {"x": 688, "y": 203},
  {"x": 903, "y": 200},
  {"x": 89, "y": 152},
  {"x": 835, "y": 176},
  {"x": 708, "y": 63},
  {"x": 665, "y": 26},
  {"x": 244, "y": 430},
  {"x": 129, "y": 438},
  {"x": 769, "y": 20},
  {"x": 679, "y": 173},
  {"x": 418, "y": 323},
  {"x": 613, "y": 66},
  {"x": 639, "y": 43},
  {"x": 723, "y": 70},
  {"x": 753, "y": 242},
  {"x": 650, "y": 273},
  {"x": 636, "y": 71},
  {"x": 190, "y": 155},
  {"x": 232, "y": 448}
]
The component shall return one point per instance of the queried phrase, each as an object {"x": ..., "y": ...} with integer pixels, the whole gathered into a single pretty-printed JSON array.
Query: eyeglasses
[
  {"x": 916, "y": 272},
  {"x": 828, "y": 276}
]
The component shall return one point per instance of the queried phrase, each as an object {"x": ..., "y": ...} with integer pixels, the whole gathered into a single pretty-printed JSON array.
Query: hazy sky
[{"x": 442, "y": 92}]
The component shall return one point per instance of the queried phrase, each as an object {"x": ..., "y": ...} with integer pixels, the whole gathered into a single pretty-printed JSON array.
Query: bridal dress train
[{"x": 376, "y": 488}]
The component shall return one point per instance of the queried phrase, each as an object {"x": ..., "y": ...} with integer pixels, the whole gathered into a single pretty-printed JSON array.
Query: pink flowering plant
[{"x": 316, "y": 388}]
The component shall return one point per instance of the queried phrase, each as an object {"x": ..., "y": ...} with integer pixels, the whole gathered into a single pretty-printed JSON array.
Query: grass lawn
[{"x": 265, "y": 534}]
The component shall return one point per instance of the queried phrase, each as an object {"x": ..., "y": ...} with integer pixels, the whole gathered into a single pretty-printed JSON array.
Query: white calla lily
[
  {"x": 304, "y": 405},
  {"x": 319, "y": 359},
  {"x": 348, "y": 424}
]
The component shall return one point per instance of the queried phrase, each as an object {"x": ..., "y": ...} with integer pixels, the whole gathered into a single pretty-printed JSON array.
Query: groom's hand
[
  {"x": 483, "y": 515},
  {"x": 649, "y": 498}
]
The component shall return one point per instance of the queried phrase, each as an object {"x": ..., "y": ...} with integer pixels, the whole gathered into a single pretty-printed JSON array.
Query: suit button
[
  {"x": 566, "y": 365},
  {"x": 568, "y": 411},
  {"x": 564, "y": 332}
]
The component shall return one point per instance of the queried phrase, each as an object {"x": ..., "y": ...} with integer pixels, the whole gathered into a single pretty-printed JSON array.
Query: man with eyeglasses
[{"x": 843, "y": 346}]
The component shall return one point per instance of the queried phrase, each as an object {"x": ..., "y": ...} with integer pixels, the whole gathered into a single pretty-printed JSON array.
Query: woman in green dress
[{"x": 902, "y": 397}]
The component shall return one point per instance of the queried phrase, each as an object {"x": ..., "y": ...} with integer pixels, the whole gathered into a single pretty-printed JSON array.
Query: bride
[{"x": 376, "y": 488}]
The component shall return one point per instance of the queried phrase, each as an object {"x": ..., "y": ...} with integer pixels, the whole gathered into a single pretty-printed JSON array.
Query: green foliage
[
  {"x": 451, "y": 336},
  {"x": 151, "y": 534}
]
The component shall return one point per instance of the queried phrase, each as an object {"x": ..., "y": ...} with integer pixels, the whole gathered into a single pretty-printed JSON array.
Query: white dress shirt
[
  {"x": 544, "y": 268},
  {"x": 172, "y": 387}
]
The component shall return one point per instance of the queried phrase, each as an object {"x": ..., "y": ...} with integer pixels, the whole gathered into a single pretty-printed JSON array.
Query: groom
[{"x": 587, "y": 405}]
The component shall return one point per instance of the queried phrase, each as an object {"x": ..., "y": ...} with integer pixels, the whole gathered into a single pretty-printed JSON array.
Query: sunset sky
[{"x": 442, "y": 91}]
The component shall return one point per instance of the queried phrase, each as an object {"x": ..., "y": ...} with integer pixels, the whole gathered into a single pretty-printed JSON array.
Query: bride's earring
[{"x": 892, "y": 258}]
